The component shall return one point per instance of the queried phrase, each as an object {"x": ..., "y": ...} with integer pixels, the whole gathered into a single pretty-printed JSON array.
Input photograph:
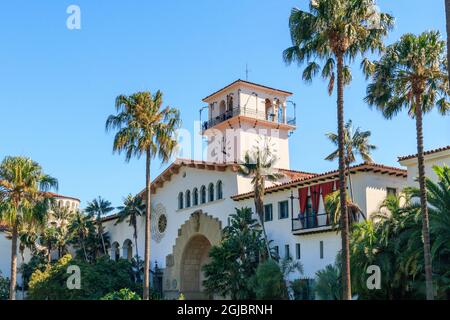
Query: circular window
[
  {"x": 162, "y": 223},
  {"x": 159, "y": 222}
]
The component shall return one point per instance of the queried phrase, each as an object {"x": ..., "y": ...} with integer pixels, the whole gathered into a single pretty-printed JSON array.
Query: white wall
[
  {"x": 5, "y": 255},
  {"x": 439, "y": 159}
]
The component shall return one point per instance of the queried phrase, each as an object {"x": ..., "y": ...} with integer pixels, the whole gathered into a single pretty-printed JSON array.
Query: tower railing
[{"x": 238, "y": 111}]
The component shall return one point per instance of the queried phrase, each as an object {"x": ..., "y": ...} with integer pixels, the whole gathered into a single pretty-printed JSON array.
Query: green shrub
[
  {"x": 4, "y": 287},
  {"x": 97, "y": 280},
  {"x": 303, "y": 289},
  {"x": 122, "y": 294},
  {"x": 269, "y": 283}
]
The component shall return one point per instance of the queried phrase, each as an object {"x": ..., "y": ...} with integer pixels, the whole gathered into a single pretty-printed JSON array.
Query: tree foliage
[
  {"x": 97, "y": 279},
  {"x": 236, "y": 259}
]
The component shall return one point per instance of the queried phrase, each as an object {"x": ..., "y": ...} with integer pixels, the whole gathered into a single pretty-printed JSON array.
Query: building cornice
[{"x": 330, "y": 175}]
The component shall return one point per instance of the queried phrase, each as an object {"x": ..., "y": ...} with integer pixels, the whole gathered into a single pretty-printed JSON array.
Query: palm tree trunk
[
  {"x": 84, "y": 250},
  {"x": 100, "y": 231},
  {"x": 12, "y": 285},
  {"x": 350, "y": 182},
  {"x": 135, "y": 239},
  {"x": 447, "y": 13},
  {"x": 259, "y": 206},
  {"x": 147, "y": 229},
  {"x": 347, "y": 291},
  {"x": 423, "y": 202}
]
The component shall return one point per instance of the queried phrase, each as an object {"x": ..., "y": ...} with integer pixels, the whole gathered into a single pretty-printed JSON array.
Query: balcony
[
  {"x": 260, "y": 115},
  {"x": 311, "y": 223}
]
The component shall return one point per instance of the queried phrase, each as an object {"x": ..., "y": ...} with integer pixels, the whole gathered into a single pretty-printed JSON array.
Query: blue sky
[{"x": 57, "y": 86}]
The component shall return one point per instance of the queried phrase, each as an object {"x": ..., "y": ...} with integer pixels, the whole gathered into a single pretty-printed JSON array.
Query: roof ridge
[{"x": 432, "y": 151}]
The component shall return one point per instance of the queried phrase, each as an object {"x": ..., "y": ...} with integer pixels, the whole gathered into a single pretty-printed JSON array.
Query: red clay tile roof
[
  {"x": 364, "y": 167},
  {"x": 412, "y": 156},
  {"x": 246, "y": 82},
  {"x": 55, "y": 195}
]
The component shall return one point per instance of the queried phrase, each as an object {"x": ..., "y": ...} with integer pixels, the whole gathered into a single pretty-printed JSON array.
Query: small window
[
  {"x": 188, "y": 199},
  {"x": 211, "y": 192},
  {"x": 219, "y": 190},
  {"x": 321, "y": 249},
  {"x": 195, "y": 197},
  {"x": 283, "y": 210},
  {"x": 203, "y": 195},
  {"x": 180, "y": 200},
  {"x": 298, "y": 253},
  {"x": 391, "y": 192},
  {"x": 268, "y": 212},
  {"x": 287, "y": 253}
]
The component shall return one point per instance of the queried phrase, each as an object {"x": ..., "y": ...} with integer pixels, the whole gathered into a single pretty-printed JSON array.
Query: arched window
[
  {"x": 219, "y": 190},
  {"x": 202, "y": 194},
  {"x": 115, "y": 251},
  {"x": 127, "y": 250},
  {"x": 222, "y": 107},
  {"x": 195, "y": 197},
  {"x": 211, "y": 192},
  {"x": 230, "y": 103},
  {"x": 188, "y": 198},
  {"x": 269, "y": 110},
  {"x": 180, "y": 200}
]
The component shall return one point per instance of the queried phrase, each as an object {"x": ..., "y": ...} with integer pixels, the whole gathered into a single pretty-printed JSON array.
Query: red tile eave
[
  {"x": 330, "y": 175},
  {"x": 55, "y": 195},
  {"x": 174, "y": 168},
  {"x": 426, "y": 153}
]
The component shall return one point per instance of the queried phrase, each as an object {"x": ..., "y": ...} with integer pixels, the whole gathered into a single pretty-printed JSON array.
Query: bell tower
[{"x": 241, "y": 116}]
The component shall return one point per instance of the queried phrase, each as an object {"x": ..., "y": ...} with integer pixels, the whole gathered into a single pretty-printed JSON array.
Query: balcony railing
[
  {"x": 246, "y": 112},
  {"x": 311, "y": 221}
]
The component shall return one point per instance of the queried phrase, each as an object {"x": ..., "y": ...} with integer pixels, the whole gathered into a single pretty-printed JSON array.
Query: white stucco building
[{"x": 192, "y": 199}]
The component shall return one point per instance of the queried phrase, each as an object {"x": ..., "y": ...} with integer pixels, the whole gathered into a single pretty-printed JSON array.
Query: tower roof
[{"x": 248, "y": 84}]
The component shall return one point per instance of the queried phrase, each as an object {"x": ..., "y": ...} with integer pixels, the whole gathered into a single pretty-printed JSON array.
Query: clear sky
[{"x": 57, "y": 86}]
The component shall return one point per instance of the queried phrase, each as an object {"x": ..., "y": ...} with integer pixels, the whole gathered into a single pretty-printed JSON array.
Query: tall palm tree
[
  {"x": 447, "y": 15},
  {"x": 336, "y": 32},
  {"x": 143, "y": 128},
  {"x": 98, "y": 208},
  {"x": 356, "y": 143},
  {"x": 412, "y": 75},
  {"x": 132, "y": 209},
  {"x": 259, "y": 165},
  {"x": 23, "y": 184}
]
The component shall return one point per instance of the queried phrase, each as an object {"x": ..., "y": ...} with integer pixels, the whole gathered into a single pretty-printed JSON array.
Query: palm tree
[
  {"x": 447, "y": 15},
  {"x": 143, "y": 128},
  {"x": 259, "y": 165},
  {"x": 336, "y": 32},
  {"x": 131, "y": 210},
  {"x": 333, "y": 208},
  {"x": 23, "y": 184},
  {"x": 412, "y": 75},
  {"x": 98, "y": 208},
  {"x": 80, "y": 228},
  {"x": 356, "y": 142}
]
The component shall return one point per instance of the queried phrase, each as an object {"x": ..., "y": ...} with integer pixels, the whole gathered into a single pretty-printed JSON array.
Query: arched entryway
[
  {"x": 183, "y": 272},
  {"x": 195, "y": 256}
]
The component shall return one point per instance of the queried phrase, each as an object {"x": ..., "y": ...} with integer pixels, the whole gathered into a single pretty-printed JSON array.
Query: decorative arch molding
[{"x": 198, "y": 225}]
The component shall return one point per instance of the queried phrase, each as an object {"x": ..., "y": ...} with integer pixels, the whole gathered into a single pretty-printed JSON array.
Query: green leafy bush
[
  {"x": 4, "y": 287},
  {"x": 97, "y": 280},
  {"x": 122, "y": 294},
  {"x": 269, "y": 283}
]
